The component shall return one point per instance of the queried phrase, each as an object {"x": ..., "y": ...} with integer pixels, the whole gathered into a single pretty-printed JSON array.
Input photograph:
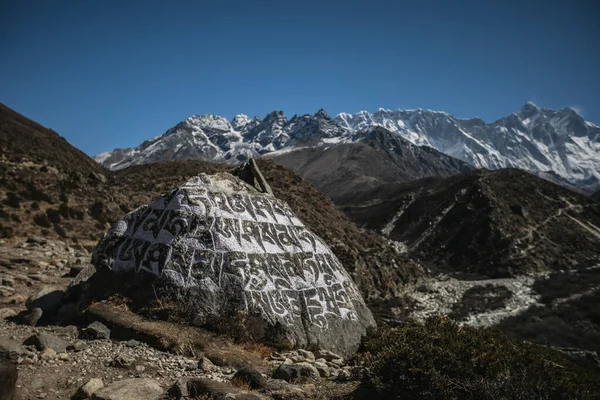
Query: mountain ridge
[
  {"x": 376, "y": 157},
  {"x": 536, "y": 139}
]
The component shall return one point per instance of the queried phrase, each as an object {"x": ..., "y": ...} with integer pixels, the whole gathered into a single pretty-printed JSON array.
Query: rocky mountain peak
[
  {"x": 321, "y": 114},
  {"x": 533, "y": 138},
  {"x": 240, "y": 121}
]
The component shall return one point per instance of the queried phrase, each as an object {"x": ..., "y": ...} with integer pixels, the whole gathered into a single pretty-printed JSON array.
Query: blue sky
[{"x": 107, "y": 74}]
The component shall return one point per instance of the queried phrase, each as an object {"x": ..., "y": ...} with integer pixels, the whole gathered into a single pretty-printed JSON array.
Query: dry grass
[{"x": 259, "y": 349}]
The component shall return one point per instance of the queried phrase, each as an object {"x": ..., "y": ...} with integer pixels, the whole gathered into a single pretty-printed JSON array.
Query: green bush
[{"x": 441, "y": 360}]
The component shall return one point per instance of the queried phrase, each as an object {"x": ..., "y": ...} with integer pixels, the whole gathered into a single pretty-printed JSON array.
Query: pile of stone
[{"x": 303, "y": 365}]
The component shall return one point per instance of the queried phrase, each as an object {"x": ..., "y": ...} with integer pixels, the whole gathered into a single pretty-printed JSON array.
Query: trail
[{"x": 591, "y": 228}]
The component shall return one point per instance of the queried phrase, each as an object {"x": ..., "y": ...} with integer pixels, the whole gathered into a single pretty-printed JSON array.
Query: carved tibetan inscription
[{"x": 206, "y": 237}]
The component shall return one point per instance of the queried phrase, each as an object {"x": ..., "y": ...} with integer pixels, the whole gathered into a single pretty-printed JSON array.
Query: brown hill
[
  {"x": 380, "y": 157},
  {"x": 54, "y": 190},
  {"x": 498, "y": 223}
]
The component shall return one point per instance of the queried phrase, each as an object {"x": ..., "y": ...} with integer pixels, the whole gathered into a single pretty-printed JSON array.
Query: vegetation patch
[
  {"x": 574, "y": 323},
  {"x": 561, "y": 285},
  {"x": 440, "y": 360}
]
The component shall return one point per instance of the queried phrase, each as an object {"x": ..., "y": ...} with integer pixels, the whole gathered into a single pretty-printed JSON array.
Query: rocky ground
[{"x": 55, "y": 361}]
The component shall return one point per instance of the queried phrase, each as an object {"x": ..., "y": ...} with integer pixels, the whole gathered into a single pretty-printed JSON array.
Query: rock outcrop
[{"x": 223, "y": 248}]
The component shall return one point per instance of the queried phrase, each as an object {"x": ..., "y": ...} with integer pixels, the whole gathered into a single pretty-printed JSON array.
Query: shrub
[
  {"x": 441, "y": 360},
  {"x": 42, "y": 220},
  {"x": 12, "y": 200}
]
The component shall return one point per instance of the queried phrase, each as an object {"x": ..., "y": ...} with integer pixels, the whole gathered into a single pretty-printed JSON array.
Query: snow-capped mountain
[
  {"x": 534, "y": 139},
  {"x": 213, "y": 138},
  {"x": 547, "y": 142}
]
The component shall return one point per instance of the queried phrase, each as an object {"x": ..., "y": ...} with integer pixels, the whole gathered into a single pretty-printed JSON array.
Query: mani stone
[{"x": 221, "y": 247}]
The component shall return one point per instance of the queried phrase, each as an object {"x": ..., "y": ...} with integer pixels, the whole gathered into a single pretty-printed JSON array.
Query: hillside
[
  {"x": 498, "y": 223},
  {"x": 377, "y": 157}
]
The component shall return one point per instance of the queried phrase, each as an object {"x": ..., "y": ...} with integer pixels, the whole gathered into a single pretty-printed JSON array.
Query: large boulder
[{"x": 223, "y": 249}]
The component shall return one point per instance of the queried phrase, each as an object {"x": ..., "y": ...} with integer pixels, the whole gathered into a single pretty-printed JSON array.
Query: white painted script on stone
[{"x": 204, "y": 236}]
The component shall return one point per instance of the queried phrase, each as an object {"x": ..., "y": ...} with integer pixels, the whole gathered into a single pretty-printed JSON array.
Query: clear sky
[{"x": 107, "y": 74}]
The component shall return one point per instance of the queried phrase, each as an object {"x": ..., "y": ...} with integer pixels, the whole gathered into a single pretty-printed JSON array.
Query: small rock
[
  {"x": 32, "y": 317},
  {"x": 47, "y": 354},
  {"x": 84, "y": 275},
  {"x": 277, "y": 357},
  {"x": 71, "y": 330},
  {"x": 187, "y": 388},
  {"x": 140, "y": 368},
  {"x": 75, "y": 270},
  {"x": 8, "y": 281},
  {"x": 97, "y": 330},
  {"x": 344, "y": 375},
  {"x": 10, "y": 349},
  {"x": 298, "y": 359},
  {"x": 123, "y": 361},
  {"x": 288, "y": 361},
  {"x": 78, "y": 346},
  {"x": 337, "y": 361},
  {"x": 327, "y": 355},
  {"x": 7, "y": 313},
  {"x": 44, "y": 340},
  {"x": 130, "y": 389},
  {"x": 36, "y": 240},
  {"x": 38, "y": 277},
  {"x": 89, "y": 388},
  {"x": 251, "y": 377},
  {"x": 306, "y": 354},
  {"x": 297, "y": 373},
  {"x": 17, "y": 299},
  {"x": 323, "y": 369},
  {"x": 205, "y": 365},
  {"x": 132, "y": 343},
  {"x": 48, "y": 299}
]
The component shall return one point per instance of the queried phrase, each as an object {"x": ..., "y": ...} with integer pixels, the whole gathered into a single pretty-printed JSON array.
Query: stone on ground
[
  {"x": 97, "y": 330},
  {"x": 10, "y": 349},
  {"x": 48, "y": 299},
  {"x": 89, "y": 388},
  {"x": 44, "y": 340},
  {"x": 221, "y": 247},
  {"x": 192, "y": 387},
  {"x": 296, "y": 373},
  {"x": 130, "y": 389},
  {"x": 32, "y": 317},
  {"x": 205, "y": 365},
  {"x": 7, "y": 313}
]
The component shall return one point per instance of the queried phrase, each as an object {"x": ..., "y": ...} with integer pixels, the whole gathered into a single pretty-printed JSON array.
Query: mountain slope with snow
[
  {"x": 533, "y": 139},
  {"x": 549, "y": 143},
  {"x": 374, "y": 158}
]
